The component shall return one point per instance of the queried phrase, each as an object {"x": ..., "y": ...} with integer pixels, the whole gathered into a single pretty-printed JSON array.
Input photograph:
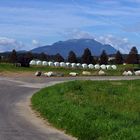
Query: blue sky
[{"x": 31, "y": 23}]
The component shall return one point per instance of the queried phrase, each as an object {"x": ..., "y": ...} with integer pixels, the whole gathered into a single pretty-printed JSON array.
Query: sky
[{"x": 26, "y": 24}]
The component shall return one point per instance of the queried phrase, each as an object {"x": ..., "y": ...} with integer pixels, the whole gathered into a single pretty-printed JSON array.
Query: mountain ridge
[{"x": 76, "y": 45}]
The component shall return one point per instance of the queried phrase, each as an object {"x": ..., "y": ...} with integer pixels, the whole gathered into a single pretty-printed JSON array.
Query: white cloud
[
  {"x": 121, "y": 44},
  {"x": 8, "y": 44},
  {"x": 53, "y": 18},
  {"x": 35, "y": 43},
  {"x": 76, "y": 34}
]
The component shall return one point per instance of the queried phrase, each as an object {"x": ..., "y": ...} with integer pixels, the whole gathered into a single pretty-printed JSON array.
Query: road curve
[{"x": 16, "y": 119}]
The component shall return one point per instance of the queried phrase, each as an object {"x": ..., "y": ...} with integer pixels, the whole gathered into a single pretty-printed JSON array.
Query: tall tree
[
  {"x": 58, "y": 58},
  {"x": 72, "y": 58},
  {"x": 118, "y": 58},
  {"x": 23, "y": 60},
  {"x": 29, "y": 56},
  {"x": 104, "y": 58},
  {"x": 133, "y": 57},
  {"x": 43, "y": 56},
  {"x": 13, "y": 56},
  {"x": 87, "y": 57}
]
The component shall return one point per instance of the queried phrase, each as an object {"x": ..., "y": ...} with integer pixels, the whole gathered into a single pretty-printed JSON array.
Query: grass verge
[
  {"x": 7, "y": 67},
  {"x": 93, "y": 110}
]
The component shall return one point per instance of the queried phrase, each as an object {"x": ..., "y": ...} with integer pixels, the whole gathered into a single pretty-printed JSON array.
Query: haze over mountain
[{"x": 76, "y": 45}]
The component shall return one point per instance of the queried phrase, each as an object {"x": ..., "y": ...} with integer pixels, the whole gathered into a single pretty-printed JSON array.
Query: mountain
[{"x": 76, "y": 45}]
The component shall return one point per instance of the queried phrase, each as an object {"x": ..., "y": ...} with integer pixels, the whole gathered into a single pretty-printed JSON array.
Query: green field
[
  {"x": 93, "y": 110},
  {"x": 6, "y": 67}
]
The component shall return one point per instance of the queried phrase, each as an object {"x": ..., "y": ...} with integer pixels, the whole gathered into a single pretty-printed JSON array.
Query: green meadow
[
  {"x": 92, "y": 110},
  {"x": 7, "y": 67}
]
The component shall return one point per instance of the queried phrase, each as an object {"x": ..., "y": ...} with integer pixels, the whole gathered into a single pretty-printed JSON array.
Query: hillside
[{"x": 76, "y": 45}]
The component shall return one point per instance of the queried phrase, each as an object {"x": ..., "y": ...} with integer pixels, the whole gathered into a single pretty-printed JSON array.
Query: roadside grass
[
  {"x": 92, "y": 110},
  {"x": 7, "y": 67}
]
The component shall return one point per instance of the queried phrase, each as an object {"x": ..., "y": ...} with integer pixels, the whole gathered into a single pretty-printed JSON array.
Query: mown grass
[
  {"x": 93, "y": 110},
  {"x": 7, "y": 67}
]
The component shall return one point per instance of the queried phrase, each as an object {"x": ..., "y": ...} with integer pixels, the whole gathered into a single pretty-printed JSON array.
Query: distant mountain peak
[{"x": 76, "y": 45}]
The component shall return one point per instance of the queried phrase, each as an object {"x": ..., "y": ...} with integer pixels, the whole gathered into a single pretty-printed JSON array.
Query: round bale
[
  {"x": 62, "y": 64},
  {"x": 39, "y": 63},
  {"x": 91, "y": 66},
  {"x": 32, "y": 62},
  {"x": 84, "y": 66},
  {"x": 73, "y": 65},
  {"x": 44, "y": 63},
  {"x": 97, "y": 66},
  {"x": 56, "y": 64},
  {"x": 114, "y": 67},
  {"x": 103, "y": 67},
  {"x": 68, "y": 65},
  {"x": 51, "y": 64}
]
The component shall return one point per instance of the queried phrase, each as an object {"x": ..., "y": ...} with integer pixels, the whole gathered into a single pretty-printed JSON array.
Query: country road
[{"x": 17, "y": 120}]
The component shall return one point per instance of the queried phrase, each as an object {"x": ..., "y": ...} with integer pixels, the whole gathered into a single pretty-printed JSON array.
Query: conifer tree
[
  {"x": 87, "y": 57},
  {"x": 72, "y": 58},
  {"x": 13, "y": 56},
  {"x": 104, "y": 58},
  {"x": 133, "y": 57},
  {"x": 58, "y": 58},
  {"x": 43, "y": 56},
  {"x": 118, "y": 58}
]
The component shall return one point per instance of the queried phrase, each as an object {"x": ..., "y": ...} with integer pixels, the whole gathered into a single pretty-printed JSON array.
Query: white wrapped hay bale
[
  {"x": 84, "y": 66},
  {"x": 108, "y": 67},
  {"x": 44, "y": 63},
  {"x": 56, "y": 64},
  {"x": 51, "y": 64},
  {"x": 103, "y": 67},
  {"x": 38, "y": 73},
  {"x": 91, "y": 66},
  {"x": 73, "y": 74},
  {"x": 78, "y": 65},
  {"x": 97, "y": 66},
  {"x": 114, "y": 67},
  {"x": 49, "y": 74},
  {"x": 86, "y": 73},
  {"x": 137, "y": 73},
  {"x": 101, "y": 73},
  {"x": 130, "y": 73},
  {"x": 39, "y": 63},
  {"x": 127, "y": 73},
  {"x": 73, "y": 65},
  {"x": 32, "y": 62},
  {"x": 62, "y": 64},
  {"x": 68, "y": 65}
]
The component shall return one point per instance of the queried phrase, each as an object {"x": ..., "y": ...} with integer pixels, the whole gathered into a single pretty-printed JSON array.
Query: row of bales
[{"x": 72, "y": 65}]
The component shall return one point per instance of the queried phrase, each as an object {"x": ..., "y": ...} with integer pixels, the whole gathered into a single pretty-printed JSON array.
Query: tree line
[{"x": 87, "y": 57}]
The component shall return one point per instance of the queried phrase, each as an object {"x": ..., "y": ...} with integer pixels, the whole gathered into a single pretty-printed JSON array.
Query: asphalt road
[{"x": 16, "y": 121}]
